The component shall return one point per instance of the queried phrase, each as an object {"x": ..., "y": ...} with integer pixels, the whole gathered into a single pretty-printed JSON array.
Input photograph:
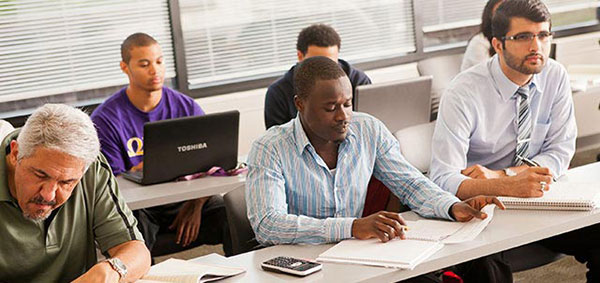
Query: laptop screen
[{"x": 182, "y": 146}]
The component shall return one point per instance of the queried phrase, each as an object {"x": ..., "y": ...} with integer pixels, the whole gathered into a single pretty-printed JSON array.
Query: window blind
[
  {"x": 560, "y": 6},
  {"x": 448, "y": 14},
  {"x": 59, "y": 46},
  {"x": 235, "y": 40}
]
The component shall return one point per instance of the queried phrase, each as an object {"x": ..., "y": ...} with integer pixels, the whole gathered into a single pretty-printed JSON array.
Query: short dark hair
[
  {"x": 486, "y": 22},
  {"x": 533, "y": 10},
  {"x": 135, "y": 40},
  {"x": 318, "y": 35},
  {"x": 312, "y": 69}
]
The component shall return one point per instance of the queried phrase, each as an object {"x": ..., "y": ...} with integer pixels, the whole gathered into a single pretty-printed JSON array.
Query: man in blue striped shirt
[{"x": 308, "y": 178}]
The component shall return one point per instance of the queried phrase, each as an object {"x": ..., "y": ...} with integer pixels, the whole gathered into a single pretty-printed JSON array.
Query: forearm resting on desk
[
  {"x": 279, "y": 228},
  {"x": 473, "y": 187},
  {"x": 527, "y": 183}
]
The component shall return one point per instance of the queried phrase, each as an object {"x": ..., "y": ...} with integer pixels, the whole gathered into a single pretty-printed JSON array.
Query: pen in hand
[{"x": 532, "y": 163}]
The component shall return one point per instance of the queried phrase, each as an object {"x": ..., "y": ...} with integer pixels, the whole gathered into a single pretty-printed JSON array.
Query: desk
[
  {"x": 138, "y": 196},
  {"x": 507, "y": 230}
]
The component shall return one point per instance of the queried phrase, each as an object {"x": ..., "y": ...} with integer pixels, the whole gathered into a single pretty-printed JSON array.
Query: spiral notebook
[{"x": 561, "y": 196}]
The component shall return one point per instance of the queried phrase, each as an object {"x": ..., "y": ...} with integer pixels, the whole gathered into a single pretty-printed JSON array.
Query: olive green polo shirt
[{"x": 95, "y": 213}]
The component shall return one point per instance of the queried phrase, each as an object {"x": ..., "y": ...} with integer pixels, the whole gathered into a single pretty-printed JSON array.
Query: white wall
[{"x": 250, "y": 103}]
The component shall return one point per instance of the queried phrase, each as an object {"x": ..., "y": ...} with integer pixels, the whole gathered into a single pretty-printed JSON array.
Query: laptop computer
[
  {"x": 182, "y": 146},
  {"x": 398, "y": 104}
]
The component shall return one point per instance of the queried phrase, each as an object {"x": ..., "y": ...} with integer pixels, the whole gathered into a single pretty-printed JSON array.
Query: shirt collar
[
  {"x": 302, "y": 139},
  {"x": 505, "y": 86},
  {"x": 300, "y": 136},
  {"x": 4, "y": 190}
]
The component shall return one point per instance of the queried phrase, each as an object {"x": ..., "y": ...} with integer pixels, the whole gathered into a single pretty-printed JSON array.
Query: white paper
[
  {"x": 449, "y": 232},
  {"x": 177, "y": 270},
  {"x": 396, "y": 253}
]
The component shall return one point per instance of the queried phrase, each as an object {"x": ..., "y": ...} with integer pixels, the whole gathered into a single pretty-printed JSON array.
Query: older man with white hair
[{"x": 58, "y": 199}]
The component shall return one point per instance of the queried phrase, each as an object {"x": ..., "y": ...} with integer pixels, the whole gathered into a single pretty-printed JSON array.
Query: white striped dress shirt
[{"x": 293, "y": 197}]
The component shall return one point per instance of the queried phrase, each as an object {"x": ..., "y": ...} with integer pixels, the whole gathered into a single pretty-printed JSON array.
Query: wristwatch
[
  {"x": 118, "y": 266},
  {"x": 509, "y": 172}
]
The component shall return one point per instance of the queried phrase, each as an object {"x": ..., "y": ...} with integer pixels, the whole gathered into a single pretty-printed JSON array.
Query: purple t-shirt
[{"x": 120, "y": 125}]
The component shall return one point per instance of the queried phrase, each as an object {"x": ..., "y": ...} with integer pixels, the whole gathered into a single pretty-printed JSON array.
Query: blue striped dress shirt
[{"x": 293, "y": 197}]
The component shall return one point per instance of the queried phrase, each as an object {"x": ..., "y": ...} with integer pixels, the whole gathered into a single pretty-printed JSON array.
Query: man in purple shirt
[{"x": 120, "y": 123}]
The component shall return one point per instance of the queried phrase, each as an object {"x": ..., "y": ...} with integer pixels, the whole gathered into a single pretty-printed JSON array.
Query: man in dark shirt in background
[{"x": 315, "y": 40}]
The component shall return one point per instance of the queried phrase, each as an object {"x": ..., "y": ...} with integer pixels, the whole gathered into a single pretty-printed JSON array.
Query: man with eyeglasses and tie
[{"x": 507, "y": 127}]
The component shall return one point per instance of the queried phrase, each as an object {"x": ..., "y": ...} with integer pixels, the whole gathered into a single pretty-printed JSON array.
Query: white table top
[
  {"x": 138, "y": 196},
  {"x": 508, "y": 229}
]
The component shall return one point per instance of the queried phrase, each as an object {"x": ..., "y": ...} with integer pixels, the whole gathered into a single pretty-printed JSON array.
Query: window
[
  {"x": 231, "y": 40},
  {"x": 68, "y": 50},
  {"x": 58, "y": 46},
  {"x": 449, "y": 23},
  {"x": 570, "y": 13}
]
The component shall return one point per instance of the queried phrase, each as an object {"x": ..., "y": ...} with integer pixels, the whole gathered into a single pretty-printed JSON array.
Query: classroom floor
[{"x": 566, "y": 269}]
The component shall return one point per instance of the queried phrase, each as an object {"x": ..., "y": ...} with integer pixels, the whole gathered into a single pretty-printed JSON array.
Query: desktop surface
[
  {"x": 138, "y": 196},
  {"x": 508, "y": 229}
]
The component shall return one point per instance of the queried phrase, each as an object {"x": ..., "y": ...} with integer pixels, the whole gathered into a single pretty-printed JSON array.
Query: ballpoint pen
[{"x": 532, "y": 163}]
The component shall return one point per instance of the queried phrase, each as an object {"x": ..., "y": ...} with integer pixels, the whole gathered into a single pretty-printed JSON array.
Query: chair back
[
  {"x": 443, "y": 69},
  {"x": 415, "y": 145},
  {"x": 5, "y": 129},
  {"x": 242, "y": 235}
]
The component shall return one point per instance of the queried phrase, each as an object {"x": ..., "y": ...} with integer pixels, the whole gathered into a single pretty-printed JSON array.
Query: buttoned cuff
[
  {"x": 453, "y": 182},
  {"x": 550, "y": 163},
  {"x": 443, "y": 209}
]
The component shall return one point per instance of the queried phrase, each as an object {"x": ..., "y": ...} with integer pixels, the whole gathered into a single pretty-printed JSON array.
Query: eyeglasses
[{"x": 527, "y": 37}]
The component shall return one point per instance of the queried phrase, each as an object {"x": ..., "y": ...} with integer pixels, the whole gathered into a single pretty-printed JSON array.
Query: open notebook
[
  {"x": 561, "y": 196},
  {"x": 448, "y": 232},
  {"x": 177, "y": 270},
  {"x": 424, "y": 238}
]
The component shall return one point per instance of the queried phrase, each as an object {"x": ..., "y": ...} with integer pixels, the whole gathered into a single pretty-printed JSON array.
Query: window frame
[{"x": 180, "y": 81}]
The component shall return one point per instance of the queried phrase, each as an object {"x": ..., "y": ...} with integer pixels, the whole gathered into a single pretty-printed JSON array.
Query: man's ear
[
  {"x": 124, "y": 67},
  {"x": 14, "y": 151},
  {"x": 497, "y": 45},
  {"x": 300, "y": 55},
  {"x": 299, "y": 103}
]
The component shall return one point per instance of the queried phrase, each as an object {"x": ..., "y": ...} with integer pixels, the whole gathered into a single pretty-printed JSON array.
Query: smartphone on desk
[{"x": 290, "y": 265}]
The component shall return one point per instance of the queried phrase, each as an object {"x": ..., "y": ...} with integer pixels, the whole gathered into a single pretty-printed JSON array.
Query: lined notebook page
[
  {"x": 449, "y": 232},
  {"x": 561, "y": 196}
]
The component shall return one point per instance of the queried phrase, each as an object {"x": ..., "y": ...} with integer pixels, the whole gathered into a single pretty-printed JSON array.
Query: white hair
[{"x": 60, "y": 127}]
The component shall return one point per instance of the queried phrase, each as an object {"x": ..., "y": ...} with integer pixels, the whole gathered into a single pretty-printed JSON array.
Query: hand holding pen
[{"x": 532, "y": 163}]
